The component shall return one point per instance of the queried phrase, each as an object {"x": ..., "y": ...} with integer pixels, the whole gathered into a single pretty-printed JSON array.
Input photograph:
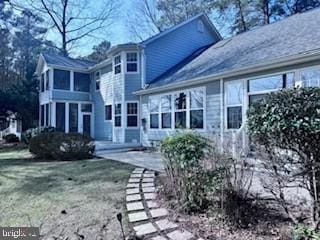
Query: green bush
[
  {"x": 188, "y": 179},
  {"x": 305, "y": 233},
  {"x": 11, "y": 138},
  {"x": 61, "y": 146},
  {"x": 32, "y": 132}
]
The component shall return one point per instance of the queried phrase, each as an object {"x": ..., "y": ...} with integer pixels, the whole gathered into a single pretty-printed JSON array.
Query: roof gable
[{"x": 201, "y": 16}]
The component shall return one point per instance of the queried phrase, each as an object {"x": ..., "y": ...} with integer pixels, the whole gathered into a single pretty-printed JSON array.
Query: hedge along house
[{"x": 187, "y": 77}]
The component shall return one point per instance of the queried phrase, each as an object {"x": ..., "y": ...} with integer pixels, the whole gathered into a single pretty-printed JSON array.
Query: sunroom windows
[
  {"x": 234, "y": 101},
  {"x": 178, "y": 110},
  {"x": 310, "y": 77}
]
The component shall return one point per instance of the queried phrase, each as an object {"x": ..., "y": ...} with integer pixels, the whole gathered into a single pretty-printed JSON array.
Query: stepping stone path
[{"x": 148, "y": 220}]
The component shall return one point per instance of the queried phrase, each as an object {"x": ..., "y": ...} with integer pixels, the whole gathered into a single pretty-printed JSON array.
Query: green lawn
[{"x": 62, "y": 197}]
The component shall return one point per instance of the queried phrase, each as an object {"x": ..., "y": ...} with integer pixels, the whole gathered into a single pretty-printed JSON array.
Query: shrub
[
  {"x": 32, "y": 132},
  {"x": 61, "y": 146},
  {"x": 11, "y": 138},
  {"x": 190, "y": 182},
  {"x": 305, "y": 233},
  {"x": 287, "y": 125}
]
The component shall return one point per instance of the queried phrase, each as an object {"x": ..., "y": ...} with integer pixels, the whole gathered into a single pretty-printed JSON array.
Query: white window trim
[
  {"x": 116, "y": 115},
  {"x": 161, "y": 112},
  {"x": 118, "y": 64},
  {"x": 138, "y": 115},
  {"x": 108, "y": 104},
  {"x": 226, "y": 105},
  {"x": 137, "y": 62},
  {"x": 188, "y": 109}
]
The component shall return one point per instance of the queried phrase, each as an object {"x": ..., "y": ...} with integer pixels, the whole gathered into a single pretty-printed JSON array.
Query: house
[{"x": 187, "y": 77}]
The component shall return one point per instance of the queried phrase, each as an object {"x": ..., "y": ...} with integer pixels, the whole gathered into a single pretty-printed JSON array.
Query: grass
[{"x": 64, "y": 199}]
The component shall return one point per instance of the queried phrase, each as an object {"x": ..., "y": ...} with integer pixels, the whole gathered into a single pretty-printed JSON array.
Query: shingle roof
[
  {"x": 59, "y": 60},
  {"x": 294, "y": 35}
]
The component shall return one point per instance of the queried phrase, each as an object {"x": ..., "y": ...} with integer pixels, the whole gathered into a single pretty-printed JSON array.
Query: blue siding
[
  {"x": 165, "y": 52},
  {"x": 132, "y": 135},
  {"x": 132, "y": 83},
  {"x": 68, "y": 95}
]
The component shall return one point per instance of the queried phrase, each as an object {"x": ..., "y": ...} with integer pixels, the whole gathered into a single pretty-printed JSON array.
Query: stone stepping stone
[
  {"x": 158, "y": 238},
  {"x": 166, "y": 224},
  {"x": 152, "y": 204},
  {"x": 134, "y": 206},
  {"x": 134, "y": 180},
  {"x": 133, "y": 191},
  {"x": 134, "y": 197},
  {"x": 136, "y": 175},
  {"x": 148, "y": 171},
  {"x": 148, "y": 175},
  {"x": 158, "y": 212},
  {"x": 151, "y": 184},
  {"x": 180, "y": 235},
  {"x": 147, "y": 180},
  {"x": 150, "y": 196},
  {"x": 133, "y": 185},
  {"x": 144, "y": 229},
  {"x": 137, "y": 217},
  {"x": 148, "y": 189}
]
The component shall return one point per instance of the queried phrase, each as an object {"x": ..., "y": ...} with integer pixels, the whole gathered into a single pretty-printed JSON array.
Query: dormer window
[
  {"x": 132, "y": 62},
  {"x": 117, "y": 64},
  {"x": 97, "y": 78},
  {"x": 200, "y": 26}
]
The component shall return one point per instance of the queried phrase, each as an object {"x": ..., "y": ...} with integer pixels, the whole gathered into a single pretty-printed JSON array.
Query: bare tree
[{"x": 75, "y": 20}]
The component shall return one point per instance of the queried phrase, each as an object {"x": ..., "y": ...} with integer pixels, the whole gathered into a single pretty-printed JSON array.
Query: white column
[
  {"x": 79, "y": 118},
  {"x": 67, "y": 117},
  {"x": 221, "y": 113},
  {"x": 71, "y": 81},
  {"x": 53, "y": 114}
]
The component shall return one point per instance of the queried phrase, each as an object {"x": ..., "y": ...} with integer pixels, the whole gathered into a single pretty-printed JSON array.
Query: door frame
[{"x": 91, "y": 122}]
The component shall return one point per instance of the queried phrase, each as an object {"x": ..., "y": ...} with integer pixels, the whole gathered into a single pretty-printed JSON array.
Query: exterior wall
[
  {"x": 103, "y": 129},
  {"x": 212, "y": 120},
  {"x": 165, "y": 52},
  {"x": 69, "y": 95}
]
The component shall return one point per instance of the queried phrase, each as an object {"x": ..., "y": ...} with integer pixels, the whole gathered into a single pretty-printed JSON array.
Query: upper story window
[
  {"x": 42, "y": 83},
  {"x": 310, "y": 77},
  {"x": 117, "y": 64},
  {"x": 61, "y": 79},
  {"x": 47, "y": 79},
  {"x": 200, "y": 26},
  {"x": 81, "y": 82},
  {"x": 97, "y": 79},
  {"x": 132, "y": 62}
]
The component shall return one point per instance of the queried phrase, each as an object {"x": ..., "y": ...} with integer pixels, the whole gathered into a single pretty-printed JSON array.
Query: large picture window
[
  {"x": 132, "y": 114},
  {"x": 166, "y": 111},
  {"x": 73, "y": 117},
  {"x": 61, "y": 79},
  {"x": 234, "y": 101},
  {"x": 117, "y": 64},
  {"x": 178, "y": 110},
  {"x": 154, "y": 112},
  {"x": 132, "y": 62},
  {"x": 180, "y": 107},
  {"x": 60, "y": 117},
  {"x": 81, "y": 82},
  {"x": 117, "y": 115},
  {"x": 310, "y": 77}
]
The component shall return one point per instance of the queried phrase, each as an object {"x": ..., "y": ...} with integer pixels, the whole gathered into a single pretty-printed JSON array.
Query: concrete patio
[{"x": 149, "y": 160}]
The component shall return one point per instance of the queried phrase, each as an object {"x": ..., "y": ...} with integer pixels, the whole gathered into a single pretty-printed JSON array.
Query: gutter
[{"x": 280, "y": 62}]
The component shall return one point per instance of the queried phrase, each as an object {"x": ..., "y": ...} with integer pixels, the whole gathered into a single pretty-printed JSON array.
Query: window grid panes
[
  {"x": 234, "y": 101},
  {"x": 60, "y": 117},
  {"x": 166, "y": 111},
  {"x": 117, "y": 115},
  {"x": 154, "y": 111},
  {"x": 132, "y": 62},
  {"x": 132, "y": 114},
  {"x": 310, "y": 78},
  {"x": 117, "y": 64},
  {"x": 196, "y": 108},
  {"x": 180, "y": 103}
]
